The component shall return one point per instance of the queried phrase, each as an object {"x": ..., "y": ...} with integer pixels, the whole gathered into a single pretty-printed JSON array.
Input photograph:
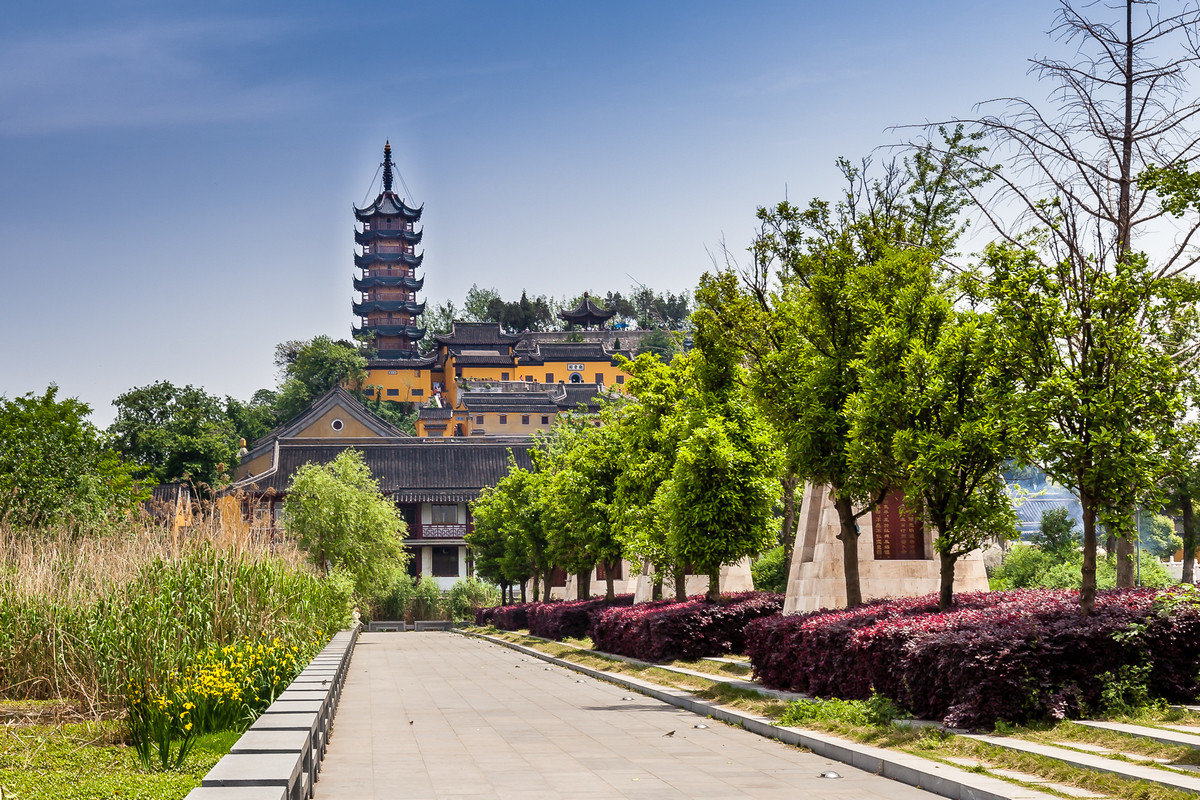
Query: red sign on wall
[{"x": 898, "y": 534}]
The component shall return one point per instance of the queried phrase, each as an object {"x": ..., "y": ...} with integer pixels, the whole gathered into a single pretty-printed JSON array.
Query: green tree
[
  {"x": 1057, "y": 534},
  {"x": 1096, "y": 384},
  {"x": 580, "y": 468},
  {"x": 508, "y": 537},
  {"x": 253, "y": 419},
  {"x": 723, "y": 485},
  {"x": 648, "y": 445},
  {"x": 930, "y": 415},
  {"x": 309, "y": 369},
  {"x": 175, "y": 433},
  {"x": 479, "y": 304},
  {"x": 54, "y": 466},
  {"x": 821, "y": 279},
  {"x": 1121, "y": 108},
  {"x": 338, "y": 515}
]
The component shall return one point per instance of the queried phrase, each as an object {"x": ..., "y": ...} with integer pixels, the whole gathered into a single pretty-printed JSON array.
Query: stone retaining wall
[{"x": 279, "y": 757}]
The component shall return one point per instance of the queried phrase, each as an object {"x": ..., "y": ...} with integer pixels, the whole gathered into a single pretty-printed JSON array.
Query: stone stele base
[
  {"x": 733, "y": 578},
  {"x": 818, "y": 578}
]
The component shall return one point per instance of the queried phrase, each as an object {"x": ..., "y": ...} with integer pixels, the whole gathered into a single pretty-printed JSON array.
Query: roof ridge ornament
[{"x": 387, "y": 165}]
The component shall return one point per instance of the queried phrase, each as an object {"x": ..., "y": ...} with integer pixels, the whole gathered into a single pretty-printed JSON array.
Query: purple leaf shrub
[
  {"x": 668, "y": 630},
  {"x": 1013, "y": 656}
]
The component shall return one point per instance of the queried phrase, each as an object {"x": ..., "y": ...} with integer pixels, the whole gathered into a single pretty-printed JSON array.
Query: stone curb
[
  {"x": 940, "y": 779},
  {"x": 305, "y": 709}
]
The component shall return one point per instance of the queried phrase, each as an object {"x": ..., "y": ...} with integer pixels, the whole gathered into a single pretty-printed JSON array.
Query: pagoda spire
[{"x": 387, "y": 166}]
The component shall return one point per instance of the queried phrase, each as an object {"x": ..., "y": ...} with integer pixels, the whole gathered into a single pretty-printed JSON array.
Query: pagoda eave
[
  {"x": 388, "y": 282},
  {"x": 368, "y": 260},
  {"x": 373, "y": 235}
]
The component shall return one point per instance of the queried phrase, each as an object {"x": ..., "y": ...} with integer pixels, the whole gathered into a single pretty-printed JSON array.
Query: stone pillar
[{"x": 426, "y": 561}]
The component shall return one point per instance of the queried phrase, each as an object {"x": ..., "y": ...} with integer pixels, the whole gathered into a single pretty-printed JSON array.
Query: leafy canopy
[{"x": 337, "y": 514}]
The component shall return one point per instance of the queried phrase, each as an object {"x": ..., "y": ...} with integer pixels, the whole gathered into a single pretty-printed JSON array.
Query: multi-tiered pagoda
[{"x": 389, "y": 282}]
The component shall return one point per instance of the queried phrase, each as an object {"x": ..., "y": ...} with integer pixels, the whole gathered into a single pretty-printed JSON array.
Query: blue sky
[{"x": 176, "y": 181}]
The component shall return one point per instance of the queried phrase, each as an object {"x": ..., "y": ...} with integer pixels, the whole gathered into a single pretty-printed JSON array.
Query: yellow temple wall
[{"x": 409, "y": 385}]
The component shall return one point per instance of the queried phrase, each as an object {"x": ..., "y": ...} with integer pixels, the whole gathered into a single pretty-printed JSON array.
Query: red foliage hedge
[
  {"x": 667, "y": 630},
  {"x": 558, "y": 619},
  {"x": 1012, "y": 656}
]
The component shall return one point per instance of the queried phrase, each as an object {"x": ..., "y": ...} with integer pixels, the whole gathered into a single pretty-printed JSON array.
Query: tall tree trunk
[
  {"x": 1126, "y": 568},
  {"x": 583, "y": 579},
  {"x": 1087, "y": 590},
  {"x": 547, "y": 580},
  {"x": 1189, "y": 536},
  {"x": 787, "y": 530},
  {"x": 504, "y": 593},
  {"x": 656, "y": 592},
  {"x": 849, "y": 537},
  {"x": 680, "y": 583},
  {"x": 1110, "y": 544},
  {"x": 714, "y": 586},
  {"x": 534, "y": 581},
  {"x": 610, "y": 588},
  {"x": 523, "y": 591},
  {"x": 946, "y": 588}
]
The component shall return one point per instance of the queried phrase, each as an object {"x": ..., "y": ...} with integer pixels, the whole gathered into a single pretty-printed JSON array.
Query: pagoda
[
  {"x": 388, "y": 304},
  {"x": 586, "y": 314}
]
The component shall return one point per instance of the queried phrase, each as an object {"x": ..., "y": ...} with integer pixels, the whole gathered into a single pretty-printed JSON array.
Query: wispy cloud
[{"x": 148, "y": 74}]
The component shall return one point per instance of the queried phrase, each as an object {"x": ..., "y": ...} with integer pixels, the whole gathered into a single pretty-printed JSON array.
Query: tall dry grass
[{"x": 82, "y": 617}]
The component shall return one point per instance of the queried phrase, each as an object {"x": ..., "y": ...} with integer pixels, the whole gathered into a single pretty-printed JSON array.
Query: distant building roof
[
  {"x": 508, "y": 402},
  {"x": 547, "y": 352},
  {"x": 586, "y": 314},
  {"x": 409, "y": 470},
  {"x": 463, "y": 334}
]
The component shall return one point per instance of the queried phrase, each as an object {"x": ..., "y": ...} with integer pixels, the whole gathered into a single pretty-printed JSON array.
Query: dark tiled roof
[
  {"x": 425, "y": 412},
  {"x": 335, "y": 396},
  {"x": 570, "y": 351},
  {"x": 401, "y": 363},
  {"x": 571, "y": 395},
  {"x": 511, "y": 402},
  {"x": 473, "y": 358},
  {"x": 476, "y": 333},
  {"x": 412, "y": 469},
  {"x": 586, "y": 313}
]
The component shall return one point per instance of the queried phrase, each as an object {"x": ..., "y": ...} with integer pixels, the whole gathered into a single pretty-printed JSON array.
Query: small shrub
[
  {"x": 770, "y": 571},
  {"x": 426, "y": 600},
  {"x": 469, "y": 596},
  {"x": 876, "y": 711}
]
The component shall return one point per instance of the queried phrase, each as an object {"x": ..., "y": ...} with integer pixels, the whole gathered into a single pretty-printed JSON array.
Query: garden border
[
  {"x": 303, "y": 712},
  {"x": 941, "y": 779}
]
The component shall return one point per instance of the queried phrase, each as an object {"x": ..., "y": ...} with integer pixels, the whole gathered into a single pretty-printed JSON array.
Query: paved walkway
[{"x": 437, "y": 715}]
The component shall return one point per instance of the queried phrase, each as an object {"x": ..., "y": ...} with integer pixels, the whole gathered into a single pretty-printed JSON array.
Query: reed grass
[{"x": 84, "y": 616}]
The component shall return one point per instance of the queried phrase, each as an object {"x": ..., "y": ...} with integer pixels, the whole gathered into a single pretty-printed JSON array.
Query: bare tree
[
  {"x": 1120, "y": 108},
  {"x": 1070, "y": 174}
]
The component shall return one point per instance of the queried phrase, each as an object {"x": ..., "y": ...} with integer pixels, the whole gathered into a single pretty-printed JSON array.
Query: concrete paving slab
[{"x": 441, "y": 716}]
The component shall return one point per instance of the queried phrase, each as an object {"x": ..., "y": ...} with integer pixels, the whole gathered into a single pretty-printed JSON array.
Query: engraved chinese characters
[{"x": 897, "y": 534}]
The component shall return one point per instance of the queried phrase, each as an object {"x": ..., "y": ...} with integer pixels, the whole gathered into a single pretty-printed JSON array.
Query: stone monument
[{"x": 895, "y": 556}]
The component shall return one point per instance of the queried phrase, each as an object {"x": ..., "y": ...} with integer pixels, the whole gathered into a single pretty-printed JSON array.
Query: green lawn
[{"x": 84, "y": 761}]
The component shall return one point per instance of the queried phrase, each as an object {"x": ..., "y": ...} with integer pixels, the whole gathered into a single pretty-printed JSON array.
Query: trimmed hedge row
[
  {"x": 570, "y": 618},
  {"x": 557, "y": 619},
  {"x": 668, "y": 630},
  {"x": 1013, "y": 656}
]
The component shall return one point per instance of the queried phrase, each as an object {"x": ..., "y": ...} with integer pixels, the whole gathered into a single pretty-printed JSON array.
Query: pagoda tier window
[{"x": 444, "y": 514}]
